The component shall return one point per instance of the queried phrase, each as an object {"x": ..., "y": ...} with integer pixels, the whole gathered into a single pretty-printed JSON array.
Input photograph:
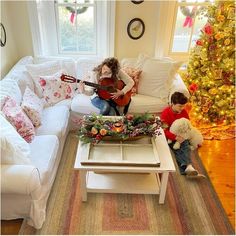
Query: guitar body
[
  {"x": 105, "y": 88},
  {"x": 106, "y": 94}
]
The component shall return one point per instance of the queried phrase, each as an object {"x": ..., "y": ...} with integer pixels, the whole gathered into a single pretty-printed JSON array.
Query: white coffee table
[{"x": 126, "y": 179}]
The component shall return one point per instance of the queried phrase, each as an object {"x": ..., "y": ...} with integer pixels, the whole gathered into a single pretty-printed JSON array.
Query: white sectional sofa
[{"x": 25, "y": 188}]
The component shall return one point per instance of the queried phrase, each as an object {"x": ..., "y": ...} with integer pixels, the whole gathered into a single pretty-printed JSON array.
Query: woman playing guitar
[{"x": 108, "y": 73}]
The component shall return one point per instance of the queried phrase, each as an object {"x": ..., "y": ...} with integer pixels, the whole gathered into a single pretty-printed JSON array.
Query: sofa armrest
[
  {"x": 178, "y": 85},
  {"x": 19, "y": 179}
]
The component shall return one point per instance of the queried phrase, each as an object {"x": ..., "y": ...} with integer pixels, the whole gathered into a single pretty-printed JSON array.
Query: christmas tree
[{"x": 211, "y": 68}]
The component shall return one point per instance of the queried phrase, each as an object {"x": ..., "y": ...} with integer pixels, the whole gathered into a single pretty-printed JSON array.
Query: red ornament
[
  {"x": 208, "y": 29},
  {"x": 193, "y": 87},
  {"x": 199, "y": 42}
]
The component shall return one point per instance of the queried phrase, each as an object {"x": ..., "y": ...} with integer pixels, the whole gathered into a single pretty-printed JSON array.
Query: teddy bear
[{"x": 183, "y": 128}]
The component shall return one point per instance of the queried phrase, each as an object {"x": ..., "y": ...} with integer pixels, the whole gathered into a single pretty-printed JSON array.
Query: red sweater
[{"x": 168, "y": 117}]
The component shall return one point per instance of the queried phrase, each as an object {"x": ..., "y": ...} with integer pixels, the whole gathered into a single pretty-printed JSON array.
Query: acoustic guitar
[{"x": 105, "y": 88}]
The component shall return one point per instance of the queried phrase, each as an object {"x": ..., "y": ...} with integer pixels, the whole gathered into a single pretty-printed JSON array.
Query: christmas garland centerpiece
[{"x": 94, "y": 128}]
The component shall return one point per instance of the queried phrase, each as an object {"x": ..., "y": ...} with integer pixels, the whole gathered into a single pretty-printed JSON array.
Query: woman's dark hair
[
  {"x": 178, "y": 98},
  {"x": 110, "y": 62}
]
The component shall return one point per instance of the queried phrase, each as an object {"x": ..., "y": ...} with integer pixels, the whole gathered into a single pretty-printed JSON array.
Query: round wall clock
[
  {"x": 3, "y": 38},
  {"x": 136, "y": 28},
  {"x": 137, "y": 1}
]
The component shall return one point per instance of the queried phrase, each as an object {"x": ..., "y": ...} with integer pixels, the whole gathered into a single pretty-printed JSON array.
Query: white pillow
[
  {"x": 43, "y": 69},
  {"x": 9, "y": 87},
  {"x": 66, "y": 64},
  {"x": 32, "y": 106},
  {"x": 157, "y": 77},
  {"x": 14, "y": 149}
]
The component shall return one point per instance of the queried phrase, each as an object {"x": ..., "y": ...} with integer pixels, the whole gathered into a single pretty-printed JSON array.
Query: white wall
[
  {"x": 9, "y": 53},
  {"x": 14, "y": 16}
]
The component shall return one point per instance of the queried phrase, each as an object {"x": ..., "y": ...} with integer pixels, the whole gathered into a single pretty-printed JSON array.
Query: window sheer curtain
[{"x": 44, "y": 30}]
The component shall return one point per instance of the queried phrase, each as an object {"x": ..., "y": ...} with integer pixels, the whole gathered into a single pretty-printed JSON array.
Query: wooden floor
[{"x": 218, "y": 158}]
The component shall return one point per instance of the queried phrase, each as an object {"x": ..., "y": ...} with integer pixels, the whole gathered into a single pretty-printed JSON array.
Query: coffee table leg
[
  {"x": 163, "y": 187},
  {"x": 83, "y": 187}
]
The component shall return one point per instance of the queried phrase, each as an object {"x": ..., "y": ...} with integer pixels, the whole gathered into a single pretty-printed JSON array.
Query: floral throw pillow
[
  {"x": 55, "y": 90},
  {"x": 16, "y": 116},
  {"x": 32, "y": 106},
  {"x": 135, "y": 75}
]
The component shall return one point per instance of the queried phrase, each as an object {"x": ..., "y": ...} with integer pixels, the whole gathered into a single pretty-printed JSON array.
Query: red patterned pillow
[
  {"x": 135, "y": 75},
  {"x": 16, "y": 116},
  {"x": 55, "y": 90}
]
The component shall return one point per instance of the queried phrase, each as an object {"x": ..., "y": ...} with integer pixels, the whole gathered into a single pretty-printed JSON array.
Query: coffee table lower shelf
[{"x": 145, "y": 183}]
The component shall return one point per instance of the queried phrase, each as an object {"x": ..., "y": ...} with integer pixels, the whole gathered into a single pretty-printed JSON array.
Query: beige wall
[
  {"x": 19, "y": 41},
  {"x": 126, "y": 11},
  {"x": 14, "y": 16}
]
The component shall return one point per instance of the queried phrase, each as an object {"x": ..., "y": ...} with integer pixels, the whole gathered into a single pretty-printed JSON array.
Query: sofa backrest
[{"x": 157, "y": 74}]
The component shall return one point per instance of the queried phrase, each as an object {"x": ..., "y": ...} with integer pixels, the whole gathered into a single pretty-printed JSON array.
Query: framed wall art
[
  {"x": 137, "y": 1},
  {"x": 136, "y": 28},
  {"x": 3, "y": 38}
]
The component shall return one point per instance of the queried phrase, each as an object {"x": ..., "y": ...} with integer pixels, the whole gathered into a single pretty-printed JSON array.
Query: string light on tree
[{"x": 210, "y": 71}]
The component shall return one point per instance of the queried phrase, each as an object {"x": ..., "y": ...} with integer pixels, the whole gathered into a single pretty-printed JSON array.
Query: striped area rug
[{"x": 191, "y": 207}]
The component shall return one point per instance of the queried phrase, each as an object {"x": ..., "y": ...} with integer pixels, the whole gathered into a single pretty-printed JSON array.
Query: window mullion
[{"x": 192, "y": 30}]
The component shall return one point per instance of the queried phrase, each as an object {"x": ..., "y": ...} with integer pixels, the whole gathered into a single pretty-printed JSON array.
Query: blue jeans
[
  {"x": 105, "y": 108},
  {"x": 182, "y": 155}
]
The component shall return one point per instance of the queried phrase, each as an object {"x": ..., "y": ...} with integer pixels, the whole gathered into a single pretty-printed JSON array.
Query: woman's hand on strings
[{"x": 117, "y": 94}]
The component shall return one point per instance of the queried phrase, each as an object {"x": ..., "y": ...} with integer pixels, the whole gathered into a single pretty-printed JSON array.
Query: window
[
  {"x": 72, "y": 27},
  {"x": 190, "y": 19},
  {"x": 179, "y": 27},
  {"x": 76, "y": 26}
]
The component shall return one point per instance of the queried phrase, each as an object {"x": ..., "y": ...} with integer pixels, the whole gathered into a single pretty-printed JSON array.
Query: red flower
[
  {"x": 42, "y": 82},
  {"x": 56, "y": 94},
  {"x": 129, "y": 117},
  {"x": 208, "y": 29},
  {"x": 68, "y": 89},
  {"x": 193, "y": 87},
  {"x": 98, "y": 136},
  {"x": 199, "y": 42}
]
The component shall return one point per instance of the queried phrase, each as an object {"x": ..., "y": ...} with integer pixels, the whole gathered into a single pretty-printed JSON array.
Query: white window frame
[
  {"x": 165, "y": 33},
  {"x": 42, "y": 35},
  {"x": 96, "y": 24}
]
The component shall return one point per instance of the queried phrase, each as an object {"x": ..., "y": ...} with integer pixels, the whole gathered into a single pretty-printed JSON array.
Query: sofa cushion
[
  {"x": 157, "y": 77},
  {"x": 54, "y": 121},
  {"x": 135, "y": 75},
  {"x": 32, "y": 106},
  {"x": 82, "y": 104},
  {"x": 143, "y": 103},
  {"x": 66, "y": 64},
  {"x": 54, "y": 90},
  {"x": 16, "y": 116},
  {"x": 84, "y": 66},
  {"x": 14, "y": 149},
  {"x": 9, "y": 87},
  {"x": 66, "y": 102},
  {"x": 43, "y": 155},
  {"x": 37, "y": 70}
]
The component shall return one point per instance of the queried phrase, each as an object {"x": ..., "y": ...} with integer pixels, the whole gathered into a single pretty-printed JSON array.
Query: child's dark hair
[
  {"x": 178, "y": 98},
  {"x": 110, "y": 62}
]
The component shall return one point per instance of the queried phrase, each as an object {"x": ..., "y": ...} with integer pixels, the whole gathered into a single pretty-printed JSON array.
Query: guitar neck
[{"x": 98, "y": 86}]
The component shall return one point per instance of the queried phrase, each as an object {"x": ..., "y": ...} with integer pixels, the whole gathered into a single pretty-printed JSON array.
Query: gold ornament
[
  {"x": 213, "y": 91},
  {"x": 227, "y": 42},
  {"x": 220, "y": 18},
  {"x": 196, "y": 63}
]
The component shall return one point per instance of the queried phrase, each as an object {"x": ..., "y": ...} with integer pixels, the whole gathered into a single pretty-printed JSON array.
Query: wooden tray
[{"x": 141, "y": 152}]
